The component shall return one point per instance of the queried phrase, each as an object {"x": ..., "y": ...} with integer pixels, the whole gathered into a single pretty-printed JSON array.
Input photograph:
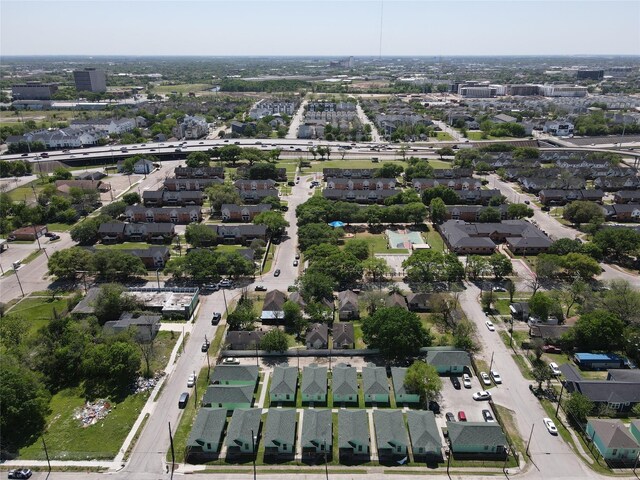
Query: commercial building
[
  {"x": 563, "y": 91},
  {"x": 33, "y": 91},
  {"x": 90, "y": 80}
]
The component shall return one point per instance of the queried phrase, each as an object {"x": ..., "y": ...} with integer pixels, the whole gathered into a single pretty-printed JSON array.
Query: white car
[
  {"x": 490, "y": 326},
  {"x": 191, "y": 381},
  {"x": 485, "y": 378},
  {"x": 553, "y": 430},
  {"x": 231, "y": 361},
  {"x": 496, "y": 377},
  {"x": 466, "y": 380},
  {"x": 482, "y": 396},
  {"x": 555, "y": 370}
]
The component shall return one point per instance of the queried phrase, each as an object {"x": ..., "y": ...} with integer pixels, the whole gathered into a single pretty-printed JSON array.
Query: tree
[
  {"x": 573, "y": 293},
  {"x": 438, "y": 210},
  {"x": 517, "y": 211},
  {"x": 418, "y": 169},
  {"x": 112, "y": 301},
  {"x": 477, "y": 266},
  {"x": 580, "y": 212},
  {"x": 343, "y": 267},
  {"x": 197, "y": 159},
  {"x": 24, "y": 406},
  {"x": 263, "y": 171},
  {"x": 500, "y": 265},
  {"x": 244, "y": 316},
  {"x": 563, "y": 246},
  {"x": 316, "y": 286},
  {"x": 86, "y": 232},
  {"x": 427, "y": 266},
  {"x": 115, "y": 209},
  {"x": 448, "y": 195},
  {"x": 128, "y": 165},
  {"x": 599, "y": 330},
  {"x": 221, "y": 194},
  {"x": 463, "y": 336},
  {"x": 581, "y": 265},
  {"x": 623, "y": 300},
  {"x": 293, "y": 318},
  {"x": 316, "y": 233},
  {"x": 376, "y": 268},
  {"x": 487, "y": 299},
  {"x": 274, "y": 341},
  {"x": 389, "y": 170},
  {"x": 113, "y": 264},
  {"x": 110, "y": 368},
  {"x": 404, "y": 327},
  {"x": 415, "y": 212},
  {"x": 541, "y": 373},
  {"x": 131, "y": 198},
  {"x": 230, "y": 153},
  {"x": 541, "y": 305},
  {"x": 200, "y": 235},
  {"x": 578, "y": 407},
  {"x": 424, "y": 380},
  {"x": 273, "y": 220},
  {"x": 510, "y": 286},
  {"x": 61, "y": 173},
  {"x": 357, "y": 248},
  {"x": 490, "y": 215},
  {"x": 66, "y": 263},
  {"x": 446, "y": 151},
  {"x": 617, "y": 243}
]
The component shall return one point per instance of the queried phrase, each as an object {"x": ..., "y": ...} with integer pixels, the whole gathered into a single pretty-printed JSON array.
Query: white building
[
  {"x": 192, "y": 127},
  {"x": 559, "y": 128},
  {"x": 563, "y": 91},
  {"x": 81, "y": 136},
  {"x": 111, "y": 125}
]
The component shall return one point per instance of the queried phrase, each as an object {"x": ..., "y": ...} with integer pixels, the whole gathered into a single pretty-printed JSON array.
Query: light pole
[
  {"x": 529, "y": 441},
  {"x": 253, "y": 447}
]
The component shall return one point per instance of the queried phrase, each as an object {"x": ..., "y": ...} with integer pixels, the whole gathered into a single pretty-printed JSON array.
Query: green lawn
[
  {"x": 433, "y": 238},
  {"x": 125, "y": 246},
  {"x": 59, "y": 227},
  {"x": 68, "y": 440},
  {"x": 26, "y": 192},
  {"x": 182, "y": 88},
  {"x": 162, "y": 347},
  {"x": 378, "y": 243},
  {"x": 38, "y": 311},
  {"x": 443, "y": 136}
]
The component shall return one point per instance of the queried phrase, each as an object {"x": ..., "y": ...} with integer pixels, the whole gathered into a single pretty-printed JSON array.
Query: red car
[
  {"x": 551, "y": 349},
  {"x": 462, "y": 416}
]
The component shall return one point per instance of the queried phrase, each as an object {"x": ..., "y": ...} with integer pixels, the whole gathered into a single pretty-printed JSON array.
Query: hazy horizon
[{"x": 311, "y": 28}]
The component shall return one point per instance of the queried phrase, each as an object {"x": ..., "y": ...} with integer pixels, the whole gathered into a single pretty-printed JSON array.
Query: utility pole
[
  {"x": 491, "y": 364},
  {"x": 15, "y": 272},
  {"x": 560, "y": 398},
  {"x": 529, "y": 441},
  {"x": 195, "y": 385},
  {"x": 326, "y": 465},
  {"x": 46, "y": 452},
  {"x": 158, "y": 277},
  {"x": 226, "y": 307},
  {"x": 253, "y": 447},
  {"x": 173, "y": 454}
]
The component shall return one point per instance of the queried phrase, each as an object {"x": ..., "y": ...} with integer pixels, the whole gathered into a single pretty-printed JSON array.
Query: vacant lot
[{"x": 182, "y": 88}]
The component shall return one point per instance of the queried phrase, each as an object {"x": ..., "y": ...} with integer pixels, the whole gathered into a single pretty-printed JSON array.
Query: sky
[{"x": 319, "y": 27}]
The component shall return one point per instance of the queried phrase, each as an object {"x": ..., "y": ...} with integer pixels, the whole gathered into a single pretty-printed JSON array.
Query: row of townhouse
[
  {"x": 199, "y": 172},
  {"x": 463, "y": 183},
  {"x": 561, "y": 197},
  {"x": 181, "y": 215},
  {"x": 182, "y": 198},
  {"x": 190, "y": 184},
  {"x": 70, "y": 137},
  {"x": 361, "y": 183},
  {"x": 622, "y": 212},
  {"x": 536, "y": 184},
  {"x": 116, "y": 232},
  {"x": 438, "y": 173},
  {"x": 242, "y": 213}
]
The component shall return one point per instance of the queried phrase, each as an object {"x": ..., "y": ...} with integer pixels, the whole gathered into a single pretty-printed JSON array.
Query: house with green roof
[
  {"x": 279, "y": 437},
  {"x": 613, "y": 440},
  {"x": 400, "y": 390},
  {"x": 314, "y": 383},
  {"x": 448, "y": 360},
  {"x": 353, "y": 436},
  {"x": 317, "y": 435},
  {"x": 205, "y": 439},
  {"x": 284, "y": 382},
  {"x": 375, "y": 385},
  {"x": 228, "y": 396},
  {"x": 244, "y": 425},
  {"x": 477, "y": 440},
  {"x": 344, "y": 384},
  {"x": 426, "y": 443},
  {"x": 391, "y": 436},
  {"x": 235, "y": 375}
]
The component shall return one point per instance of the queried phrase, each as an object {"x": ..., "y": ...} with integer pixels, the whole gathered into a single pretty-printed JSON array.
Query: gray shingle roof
[
  {"x": 475, "y": 433},
  {"x": 397, "y": 375},
  {"x": 228, "y": 394},
  {"x": 613, "y": 433},
  {"x": 448, "y": 357},
  {"x": 208, "y": 427},
  {"x": 245, "y": 373},
  {"x": 343, "y": 334},
  {"x": 423, "y": 431},
  {"x": 344, "y": 380},
  {"x": 314, "y": 380},
  {"x": 390, "y": 429},
  {"x": 353, "y": 428},
  {"x": 284, "y": 380},
  {"x": 374, "y": 380},
  {"x": 317, "y": 428},
  {"x": 243, "y": 422},
  {"x": 280, "y": 427}
]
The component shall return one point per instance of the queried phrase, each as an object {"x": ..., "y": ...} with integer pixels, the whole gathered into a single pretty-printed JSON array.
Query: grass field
[
  {"x": 68, "y": 440},
  {"x": 38, "y": 311},
  {"x": 162, "y": 347},
  {"x": 478, "y": 136},
  {"x": 124, "y": 246},
  {"x": 378, "y": 243},
  {"x": 433, "y": 238},
  {"x": 182, "y": 88},
  {"x": 443, "y": 136}
]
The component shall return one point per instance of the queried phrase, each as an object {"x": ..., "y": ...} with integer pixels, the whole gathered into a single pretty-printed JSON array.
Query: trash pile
[
  {"x": 145, "y": 384},
  {"x": 91, "y": 413}
]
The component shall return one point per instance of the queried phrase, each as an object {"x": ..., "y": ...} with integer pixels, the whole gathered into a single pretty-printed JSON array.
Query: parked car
[
  {"x": 191, "y": 381},
  {"x": 226, "y": 283},
  {"x": 455, "y": 382},
  {"x": 20, "y": 473},
  {"x": 297, "y": 256},
  {"x": 49, "y": 234},
  {"x": 551, "y": 349},
  {"x": 484, "y": 395},
  {"x": 466, "y": 380},
  {"x": 499, "y": 289},
  {"x": 434, "y": 407},
  {"x": 490, "y": 326},
  {"x": 462, "y": 416},
  {"x": 485, "y": 378},
  {"x": 527, "y": 202},
  {"x": 450, "y": 417},
  {"x": 555, "y": 370},
  {"x": 497, "y": 379},
  {"x": 551, "y": 427},
  {"x": 276, "y": 273},
  {"x": 231, "y": 361},
  {"x": 295, "y": 263},
  {"x": 205, "y": 346},
  {"x": 216, "y": 317},
  {"x": 54, "y": 237},
  {"x": 260, "y": 288},
  {"x": 486, "y": 414},
  {"x": 183, "y": 400},
  {"x": 214, "y": 287}
]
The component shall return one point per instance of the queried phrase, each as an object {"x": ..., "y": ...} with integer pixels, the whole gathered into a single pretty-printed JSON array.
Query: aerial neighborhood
[{"x": 320, "y": 266}]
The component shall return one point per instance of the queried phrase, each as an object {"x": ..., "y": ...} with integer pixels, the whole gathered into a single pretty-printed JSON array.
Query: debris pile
[
  {"x": 92, "y": 412},
  {"x": 145, "y": 384}
]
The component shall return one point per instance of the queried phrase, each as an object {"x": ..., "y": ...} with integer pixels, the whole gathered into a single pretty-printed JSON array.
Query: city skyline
[{"x": 339, "y": 28}]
